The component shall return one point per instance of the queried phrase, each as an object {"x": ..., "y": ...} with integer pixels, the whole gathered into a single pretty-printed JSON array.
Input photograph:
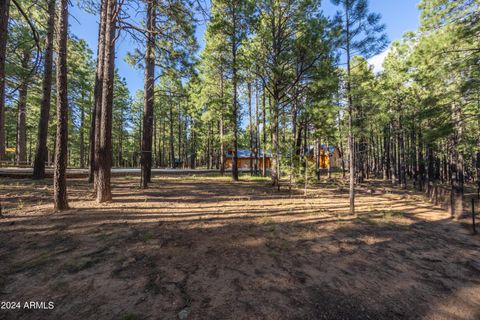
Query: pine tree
[
  {"x": 21, "y": 142},
  {"x": 103, "y": 153},
  {"x": 292, "y": 42},
  {"x": 59, "y": 180},
  {"x": 146, "y": 158},
  {"x": 232, "y": 19},
  {"x": 94, "y": 134},
  {"x": 41, "y": 148},
  {"x": 4, "y": 15},
  {"x": 360, "y": 33}
]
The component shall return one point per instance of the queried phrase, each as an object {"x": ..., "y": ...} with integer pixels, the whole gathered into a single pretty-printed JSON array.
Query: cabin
[
  {"x": 327, "y": 154},
  {"x": 247, "y": 157}
]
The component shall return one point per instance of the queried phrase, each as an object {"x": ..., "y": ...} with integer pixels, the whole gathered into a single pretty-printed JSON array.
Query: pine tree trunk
[
  {"x": 414, "y": 157},
  {"x": 257, "y": 101},
  {"x": 430, "y": 169},
  {"x": 157, "y": 141},
  {"x": 30, "y": 144},
  {"x": 59, "y": 180},
  {"x": 477, "y": 167},
  {"x": 104, "y": 152},
  {"x": 379, "y": 155},
  {"x": 193, "y": 154},
  {"x": 171, "y": 141},
  {"x": 180, "y": 134},
  {"x": 457, "y": 165},
  {"x": 401, "y": 156},
  {"x": 234, "y": 110},
  {"x": 21, "y": 150},
  {"x": 341, "y": 151},
  {"x": 82, "y": 138},
  {"x": 222, "y": 145},
  {"x": 298, "y": 142},
  {"x": 146, "y": 160},
  {"x": 160, "y": 142},
  {"x": 386, "y": 154},
  {"x": 155, "y": 150},
  {"x": 294, "y": 154},
  {"x": 305, "y": 152},
  {"x": 275, "y": 148},
  {"x": 94, "y": 135},
  {"x": 210, "y": 146},
  {"x": 351, "y": 155},
  {"x": 120, "y": 161},
  {"x": 329, "y": 162},
  {"x": 351, "y": 147},
  {"x": 186, "y": 145},
  {"x": 420, "y": 162},
  {"x": 264, "y": 129},
  {"x": 393, "y": 156},
  {"x": 164, "y": 152},
  {"x": 42, "y": 134},
  {"x": 317, "y": 158},
  {"x": 4, "y": 15},
  {"x": 371, "y": 151},
  {"x": 250, "y": 122},
  {"x": 305, "y": 178}
]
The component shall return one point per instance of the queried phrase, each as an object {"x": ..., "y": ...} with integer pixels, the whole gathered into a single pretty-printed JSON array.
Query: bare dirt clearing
[{"x": 206, "y": 248}]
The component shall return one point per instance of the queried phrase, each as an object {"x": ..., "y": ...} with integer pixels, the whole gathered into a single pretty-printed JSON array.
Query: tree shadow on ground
[{"x": 239, "y": 255}]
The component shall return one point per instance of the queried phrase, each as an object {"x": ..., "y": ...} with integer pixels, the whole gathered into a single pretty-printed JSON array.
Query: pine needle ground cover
[{"x": 207, "y": 248}]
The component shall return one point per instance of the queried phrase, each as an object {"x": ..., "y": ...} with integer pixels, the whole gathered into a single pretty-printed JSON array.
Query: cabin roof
[
  {"x": 324, "y": 147},
  {"x": 245, "y": 153},
  {"x": 329, "y": 148}
]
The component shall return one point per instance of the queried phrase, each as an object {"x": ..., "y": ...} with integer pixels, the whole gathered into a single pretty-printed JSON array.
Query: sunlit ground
[{"x": 207, "y": 248}]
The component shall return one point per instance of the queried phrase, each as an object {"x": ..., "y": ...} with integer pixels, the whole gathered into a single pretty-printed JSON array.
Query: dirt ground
[{"x": 207, "y": 248}]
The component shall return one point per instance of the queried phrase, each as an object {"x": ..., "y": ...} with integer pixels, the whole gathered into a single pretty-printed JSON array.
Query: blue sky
[{"x": 398, "y": 15}]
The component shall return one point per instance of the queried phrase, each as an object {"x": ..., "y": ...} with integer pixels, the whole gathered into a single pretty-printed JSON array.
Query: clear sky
[{"x": 398, "y": 15}]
